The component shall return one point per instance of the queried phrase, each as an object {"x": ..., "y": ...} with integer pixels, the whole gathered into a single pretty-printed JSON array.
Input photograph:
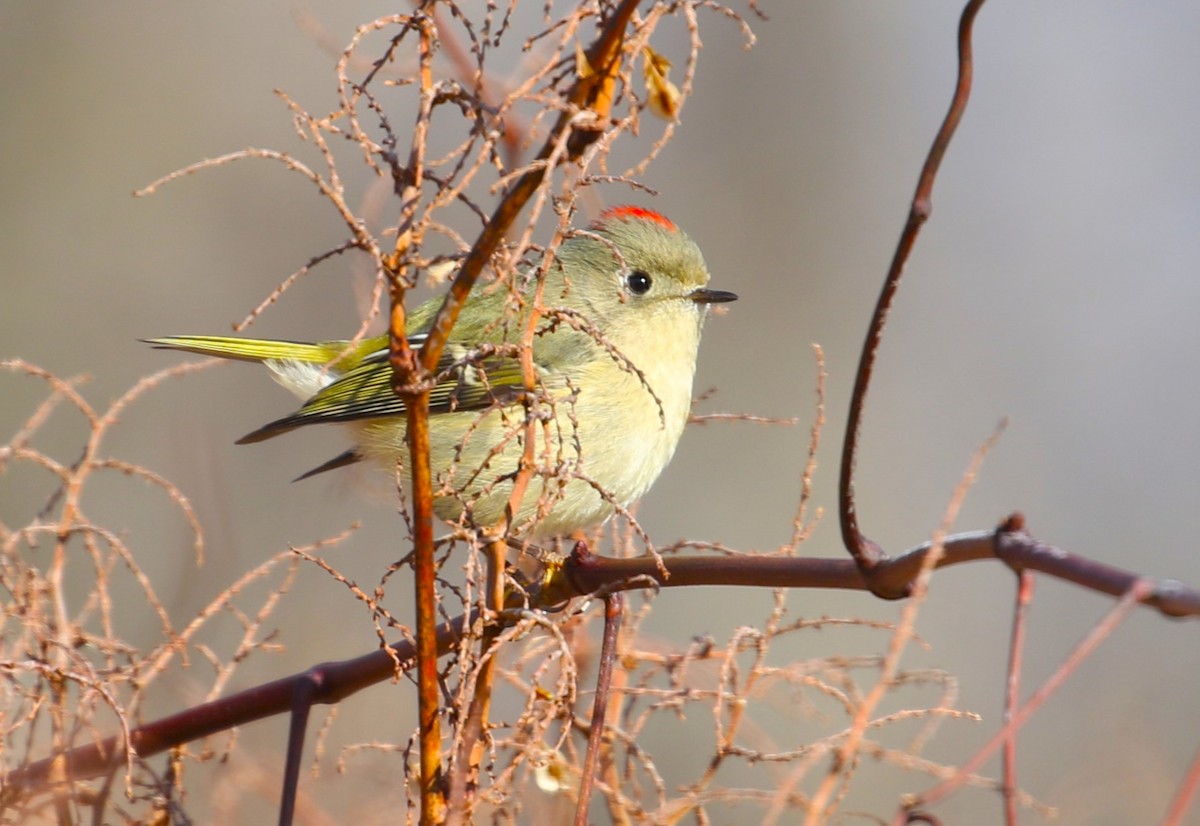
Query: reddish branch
[
  {"x": 324, "y": 683},
  {"x": 585, "y": 573},
  {"x": 614, "y": 608},
  {"x": 1185, "y": 795},
  {"x": 406, "y": 373},
  {"x": 1102, "y": 630},
  {"x": 1012, "y": 689}
]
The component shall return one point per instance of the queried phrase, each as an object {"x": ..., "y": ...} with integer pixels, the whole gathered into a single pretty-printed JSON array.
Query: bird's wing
[{"x": 466, "y": 381}]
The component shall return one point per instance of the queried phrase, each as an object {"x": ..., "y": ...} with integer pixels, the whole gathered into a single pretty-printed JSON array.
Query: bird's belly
[{"x": 584, "y": 466}]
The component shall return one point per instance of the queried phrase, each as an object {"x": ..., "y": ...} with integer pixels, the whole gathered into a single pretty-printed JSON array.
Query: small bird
[{"x": 614, "y": 355}]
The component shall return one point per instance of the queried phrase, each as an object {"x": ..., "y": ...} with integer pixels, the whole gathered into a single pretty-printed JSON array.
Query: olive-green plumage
[{"x": 614, "y": 350}]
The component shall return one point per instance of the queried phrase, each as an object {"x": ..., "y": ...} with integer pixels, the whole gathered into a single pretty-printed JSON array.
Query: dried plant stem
[
  {"x": 1012, "y": 689},
  {"x": 65, "y": 660},
  {"x": 1185, "y": 795},
  {"x": 614, "y": 609},
  {"x": 849, "y": 751},
  {"x": 470, "y": 748},
  {"x": 332, "y": 683},
  {"x": 433, "y": 802}
]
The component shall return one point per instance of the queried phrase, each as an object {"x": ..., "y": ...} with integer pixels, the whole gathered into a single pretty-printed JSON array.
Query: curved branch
[{"x": 867, "y": 554}]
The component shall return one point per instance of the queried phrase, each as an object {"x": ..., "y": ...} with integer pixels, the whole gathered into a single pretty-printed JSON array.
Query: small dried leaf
[
  {"x": 662, "y": 96},
  {"x": 583, "y": 66}
]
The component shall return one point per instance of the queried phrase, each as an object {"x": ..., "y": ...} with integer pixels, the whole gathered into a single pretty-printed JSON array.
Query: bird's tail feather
[{"x": 249, "y": 349}]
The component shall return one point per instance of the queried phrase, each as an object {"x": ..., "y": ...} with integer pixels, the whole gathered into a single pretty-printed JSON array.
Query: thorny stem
[{"x": 866, "y": 553}]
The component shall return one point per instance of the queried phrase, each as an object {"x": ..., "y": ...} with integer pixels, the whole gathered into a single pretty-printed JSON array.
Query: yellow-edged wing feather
[
  {"x": 363, "y": 390},
  {"x": 333, "y": 353}
]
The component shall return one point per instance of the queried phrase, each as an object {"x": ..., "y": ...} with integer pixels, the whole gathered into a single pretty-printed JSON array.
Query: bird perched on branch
[{"x": 614, "y": 340}]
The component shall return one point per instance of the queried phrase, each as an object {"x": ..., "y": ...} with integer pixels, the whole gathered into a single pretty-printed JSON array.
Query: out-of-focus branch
[
  {"x": 1137, "y": 593},
  {"x": 1012, "y": 688},
  {"x": 1185, "y": 795}
]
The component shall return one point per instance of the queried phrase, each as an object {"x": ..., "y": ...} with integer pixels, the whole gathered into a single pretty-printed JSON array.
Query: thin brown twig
[
  {"x": 849, "y": 752},
  {"x": 588, "y": 94},
  {"x": 802, "y": 528},
  {"x": 334, "y": 682},
  {"x": 1010, "y": 539},
  {"x": 469, "y": 750},
  {"x": 1012, "y": 690},
  {"x": 340, "y": 680}
]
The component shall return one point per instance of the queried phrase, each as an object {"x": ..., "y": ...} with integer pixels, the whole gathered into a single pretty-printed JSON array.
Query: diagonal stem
[{"x": 1099, "y": 633}]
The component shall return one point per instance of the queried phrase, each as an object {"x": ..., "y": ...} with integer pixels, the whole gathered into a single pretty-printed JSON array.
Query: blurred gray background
[{"x": 1056, "y": 284}]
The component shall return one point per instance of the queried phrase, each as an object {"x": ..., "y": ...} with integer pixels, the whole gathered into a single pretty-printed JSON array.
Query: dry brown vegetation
[{"x": 481, "y": 167}]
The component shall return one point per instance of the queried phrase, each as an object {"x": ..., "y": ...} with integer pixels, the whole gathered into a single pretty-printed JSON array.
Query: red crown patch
[{"x": 636, "y": 213}]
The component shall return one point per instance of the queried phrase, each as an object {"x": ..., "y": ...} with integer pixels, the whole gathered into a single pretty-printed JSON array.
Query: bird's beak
[{"x": 703, "y": 296}]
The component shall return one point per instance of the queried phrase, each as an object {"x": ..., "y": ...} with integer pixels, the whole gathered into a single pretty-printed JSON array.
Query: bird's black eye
[{"x": 639, "y": 282}]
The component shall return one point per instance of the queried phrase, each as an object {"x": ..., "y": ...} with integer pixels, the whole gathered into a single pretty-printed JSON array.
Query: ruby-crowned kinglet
[{"x": 614, "y": 352}]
